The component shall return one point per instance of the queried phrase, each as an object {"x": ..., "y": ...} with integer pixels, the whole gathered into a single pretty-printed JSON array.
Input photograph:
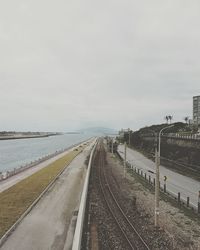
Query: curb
[{"x": 76, "y": 245}]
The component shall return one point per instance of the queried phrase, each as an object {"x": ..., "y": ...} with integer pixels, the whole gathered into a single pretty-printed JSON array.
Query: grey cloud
[{"x": 70, "y": 64}]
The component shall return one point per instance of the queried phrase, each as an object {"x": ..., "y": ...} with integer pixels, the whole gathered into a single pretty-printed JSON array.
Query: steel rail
[
  {"x": 126, "y": 218},
  {"x": 109, "y": 207},
  {"x": 122, "y": 212}
]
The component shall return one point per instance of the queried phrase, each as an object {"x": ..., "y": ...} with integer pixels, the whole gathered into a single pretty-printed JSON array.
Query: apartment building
[{"x": 196, "y": 110}]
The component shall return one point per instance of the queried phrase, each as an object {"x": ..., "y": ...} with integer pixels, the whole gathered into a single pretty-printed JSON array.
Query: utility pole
[
  {"x": 159, "y": 140},
  {"x": 157, "y": 184},
  {"x": 157, "y": 189},
  {"x": 129, "y": 137},
  {"x": 112, "y": 146},
  {"x": 125, "y": 160}
]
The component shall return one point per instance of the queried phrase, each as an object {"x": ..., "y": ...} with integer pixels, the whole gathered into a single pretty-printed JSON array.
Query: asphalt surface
[
  {"x": 176, "y": 182},
  {"x": 47, "y": 226}
]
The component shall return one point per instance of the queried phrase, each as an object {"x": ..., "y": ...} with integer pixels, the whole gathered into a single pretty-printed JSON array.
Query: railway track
[{"x": 131, "y": 236}]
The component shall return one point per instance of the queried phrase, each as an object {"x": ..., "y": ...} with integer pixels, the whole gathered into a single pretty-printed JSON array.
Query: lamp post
[
  {"x": 112, "y": 147},
  {"x": 125, "y": 159},
  {"x": 129, "y": 137},
  {"x": 159, "y": 139},
  {"x": 157, "y": 184}
]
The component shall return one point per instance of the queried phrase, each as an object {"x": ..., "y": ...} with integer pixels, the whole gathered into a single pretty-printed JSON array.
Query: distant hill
[{"x": 99, "y": 131}]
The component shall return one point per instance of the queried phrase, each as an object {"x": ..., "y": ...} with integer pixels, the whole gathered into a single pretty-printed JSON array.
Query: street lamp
[
  {"x": 157, "y": 184},
  {"x": 129, "y": 137},
  {"x": 112, "y": 147},
  {"x": 125, "y": 159},
  {"x": 159, "y": 139}
]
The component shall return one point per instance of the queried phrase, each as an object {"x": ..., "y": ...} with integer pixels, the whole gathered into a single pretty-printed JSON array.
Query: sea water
[{"x": 15, "y": 153}]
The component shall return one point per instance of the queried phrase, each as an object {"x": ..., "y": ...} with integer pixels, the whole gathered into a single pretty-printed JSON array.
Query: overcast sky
[{"x": 69, "y": 64}]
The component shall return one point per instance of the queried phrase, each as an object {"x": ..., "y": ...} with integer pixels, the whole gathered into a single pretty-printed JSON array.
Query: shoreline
[
  {"x": 3, "y": 138},
  {"x": 30, "y": 168}
]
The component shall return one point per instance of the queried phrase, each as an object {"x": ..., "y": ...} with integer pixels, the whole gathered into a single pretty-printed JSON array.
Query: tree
[
  {"x": 166, "y": 118},
  {"x": 186, "y": 119},
  {"x": 170, "y": 118}
]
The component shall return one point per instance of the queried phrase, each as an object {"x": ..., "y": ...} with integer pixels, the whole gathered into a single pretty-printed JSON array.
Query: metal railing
[
  {"x": 9, "y": 173},
  {"x": 163, "y": 189}
]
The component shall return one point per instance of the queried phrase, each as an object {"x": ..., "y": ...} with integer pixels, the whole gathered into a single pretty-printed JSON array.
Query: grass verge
[{"x": 15, "y": 200}]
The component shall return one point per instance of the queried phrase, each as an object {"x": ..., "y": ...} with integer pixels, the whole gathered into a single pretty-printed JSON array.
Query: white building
[{"x": 196, "y": 110}]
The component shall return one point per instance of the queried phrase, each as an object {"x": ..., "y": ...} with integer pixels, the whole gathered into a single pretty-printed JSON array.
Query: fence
[
  {"x": 163, "y": 188},
  {"x": 183, "y": 136},
  {"x": 10, "y": 173},
  {"x": 176, "y": 135}
]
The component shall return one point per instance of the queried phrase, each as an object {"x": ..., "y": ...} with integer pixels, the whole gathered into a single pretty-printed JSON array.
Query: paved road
[
  {"x": 47, "y": 226},
  {"x": 176, "y": 182}
]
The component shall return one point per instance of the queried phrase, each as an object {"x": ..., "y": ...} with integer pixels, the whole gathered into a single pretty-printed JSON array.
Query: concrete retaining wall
[{"x": 81, "y": 214}]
